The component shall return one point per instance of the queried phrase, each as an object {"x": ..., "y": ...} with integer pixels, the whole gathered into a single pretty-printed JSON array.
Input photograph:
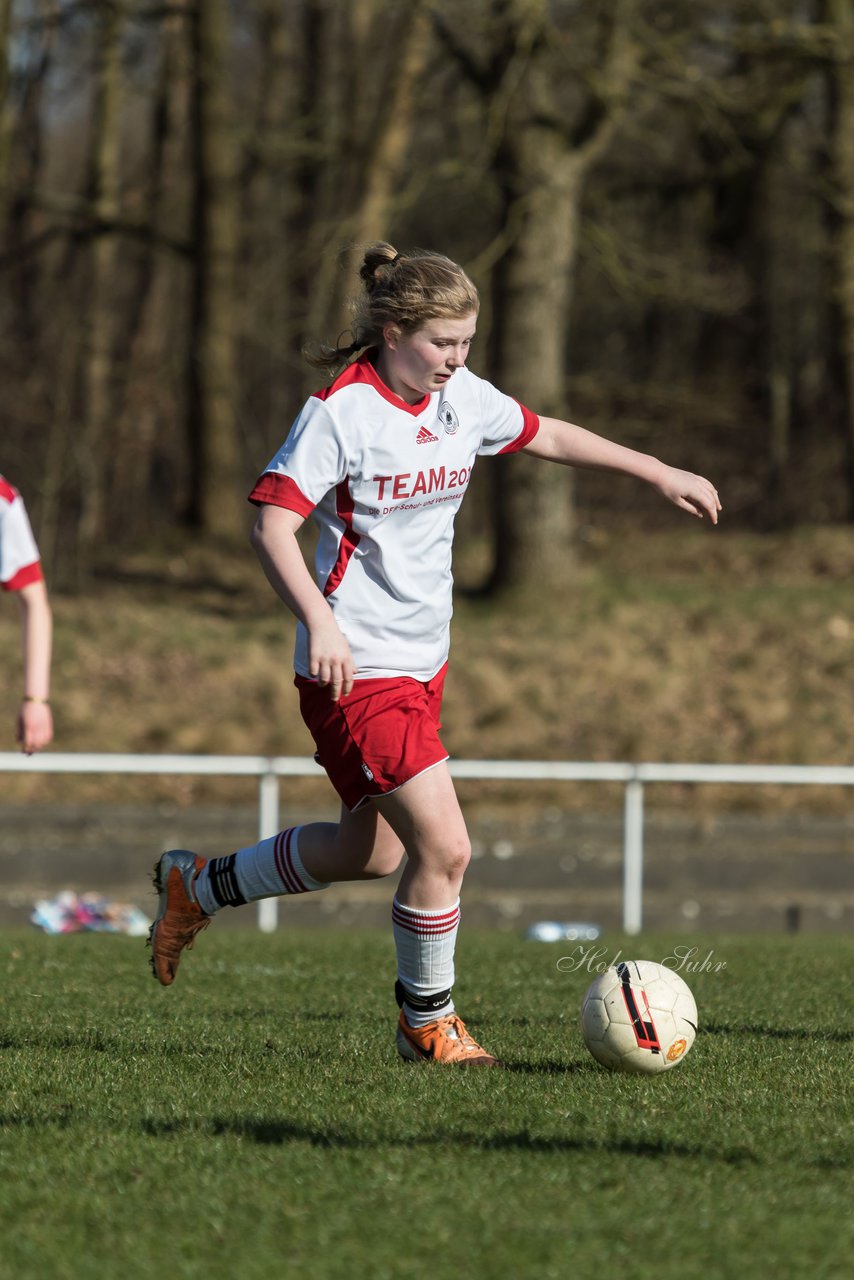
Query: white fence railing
[{"x": 634, "y": 777}]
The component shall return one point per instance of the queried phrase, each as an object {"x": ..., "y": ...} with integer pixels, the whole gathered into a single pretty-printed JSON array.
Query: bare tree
[
  {"x": 841, "y": 15},
  {"x": 5, "y": 107},
  {"x": 362, "y": 78},
  {"x": 94, "y": 440},
  {"x": 216, "y": 503},
  {"x": 149, "y": 404},
  {"x": 388, "y": 145},
  {"x": 546, "y": 144},
  {"x": 656, "y": 200},
  {"x": 22, "y": 144},
  {"x": 273, "y": 203}
]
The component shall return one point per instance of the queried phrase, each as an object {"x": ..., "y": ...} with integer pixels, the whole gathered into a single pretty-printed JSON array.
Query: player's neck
[{"x": 385, "y": 372}]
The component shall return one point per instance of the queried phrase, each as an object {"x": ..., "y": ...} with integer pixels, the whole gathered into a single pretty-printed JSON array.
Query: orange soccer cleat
[
  {"x": 445, "y": 1040},
  {"x": 179, "y": 917}
]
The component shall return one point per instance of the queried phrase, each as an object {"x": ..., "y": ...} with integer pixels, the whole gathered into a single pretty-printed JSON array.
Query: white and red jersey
[
  {"x": 383, "y": 480},
  {"x": 19, "y": 556}
]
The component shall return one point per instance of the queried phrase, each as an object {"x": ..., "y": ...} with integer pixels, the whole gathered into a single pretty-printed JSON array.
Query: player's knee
[{"x": 455, "y": 857}]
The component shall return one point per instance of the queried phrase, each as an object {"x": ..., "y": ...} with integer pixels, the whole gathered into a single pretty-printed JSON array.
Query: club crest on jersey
[
  {"x": 425, "y": 436},
  {"x": 448, "y": 419}
]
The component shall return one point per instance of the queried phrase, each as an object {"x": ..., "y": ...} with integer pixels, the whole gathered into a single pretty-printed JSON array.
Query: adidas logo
[{"x": 426, "y": 437}]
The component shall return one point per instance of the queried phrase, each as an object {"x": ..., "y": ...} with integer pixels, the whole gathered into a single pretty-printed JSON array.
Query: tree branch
[{"x": 89, "y": 226}]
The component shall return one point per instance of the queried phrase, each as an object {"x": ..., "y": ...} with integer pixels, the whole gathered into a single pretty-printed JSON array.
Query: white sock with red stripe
[
  {"x": 268, "y": 869},
  {"x": 425, "y": 942}
]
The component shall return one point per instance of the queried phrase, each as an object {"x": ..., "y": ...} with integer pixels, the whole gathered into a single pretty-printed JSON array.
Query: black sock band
[
  {"x": 421, "y": 1004},
  {"x": 223, "y": 882}
]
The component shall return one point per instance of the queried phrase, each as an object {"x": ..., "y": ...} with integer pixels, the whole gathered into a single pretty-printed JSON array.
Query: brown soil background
[{"x": 688, "y": 644}]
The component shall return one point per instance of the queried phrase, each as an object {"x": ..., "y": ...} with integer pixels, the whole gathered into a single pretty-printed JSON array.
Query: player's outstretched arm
[
  {"x": 563, "y": 442},
  {"x": 275, "y": 542}
]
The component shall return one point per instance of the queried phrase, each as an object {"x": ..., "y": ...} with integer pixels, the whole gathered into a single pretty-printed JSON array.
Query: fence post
[
  {"x": 633, "y": 857},
  {"x": 268, "y": 825}
]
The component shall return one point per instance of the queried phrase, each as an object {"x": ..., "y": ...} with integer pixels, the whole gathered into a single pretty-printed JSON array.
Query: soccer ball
[{"x": 638, "y": 1016}]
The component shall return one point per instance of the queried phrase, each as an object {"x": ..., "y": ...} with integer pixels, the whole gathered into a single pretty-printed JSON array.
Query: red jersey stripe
[
  {"x": 24, "y": 577},
  {"x": 349, "y": 539},
  {"x": 281, "y": 491},
  {"x": 362, "y": 370},
  {"x": 530, "y": 427}
]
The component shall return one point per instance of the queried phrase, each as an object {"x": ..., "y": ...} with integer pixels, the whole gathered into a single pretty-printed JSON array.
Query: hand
[
  {"x": 34, "y": 728},
  {"x": 329, "y": 659},
  {"x": 691, "y": 493}
]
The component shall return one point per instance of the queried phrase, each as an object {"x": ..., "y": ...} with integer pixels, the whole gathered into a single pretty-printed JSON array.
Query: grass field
[{"x": 253, "y": 1121}]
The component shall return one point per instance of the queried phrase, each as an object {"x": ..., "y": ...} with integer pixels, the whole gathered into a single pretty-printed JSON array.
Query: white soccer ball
[{"x": 639, "y": 1016}]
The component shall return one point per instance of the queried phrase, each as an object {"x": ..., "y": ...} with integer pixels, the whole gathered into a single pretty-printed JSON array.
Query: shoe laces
[
  {"x": 184, "y": 931},
  {"x": 459, "y": 1027},
  {"x": 196, "y": 927}
]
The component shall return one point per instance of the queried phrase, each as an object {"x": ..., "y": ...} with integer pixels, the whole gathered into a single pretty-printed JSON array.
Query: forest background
[{"x": 657, "y": 203}]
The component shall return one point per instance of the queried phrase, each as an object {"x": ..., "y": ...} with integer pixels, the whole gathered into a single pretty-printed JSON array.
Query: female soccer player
[
  {"x": 381, "y": 460},
  {"x": 21, "y": 572}
]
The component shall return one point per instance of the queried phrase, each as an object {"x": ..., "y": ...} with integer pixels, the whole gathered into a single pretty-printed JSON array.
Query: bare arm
[
  {"x": 558, "y": 441},
  {"x": 34, "y": 728},
  {"x": 275, "y": 542}
]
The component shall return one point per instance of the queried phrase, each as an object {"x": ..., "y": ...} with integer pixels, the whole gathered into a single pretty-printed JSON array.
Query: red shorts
[{"x": 384, "y": 733}]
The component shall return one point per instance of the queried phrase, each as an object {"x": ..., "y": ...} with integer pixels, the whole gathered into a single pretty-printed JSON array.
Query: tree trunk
[
  {"x": 5, "y": 112},
  {"x": 331, "y": 60},
  {"x": 544, "y": 161},
  {"x": 98, "y": 336},
  {"x": 841, "y": 13},
  {"x": 532, "y": 288},
  {"x": 390, "y": 144},
  {"x": 216, "y": 501},
  {"x": 780, "y": 306},
  {"x": 380, "y": 143},
  {"x": 271, "y": 201},
  {"x": 21, "y": 154},
  {"x": 146, "y": 407}
]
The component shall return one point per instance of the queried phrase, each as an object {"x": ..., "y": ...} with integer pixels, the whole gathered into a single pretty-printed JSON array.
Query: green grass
[{"x": 253, "y": 1121}]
